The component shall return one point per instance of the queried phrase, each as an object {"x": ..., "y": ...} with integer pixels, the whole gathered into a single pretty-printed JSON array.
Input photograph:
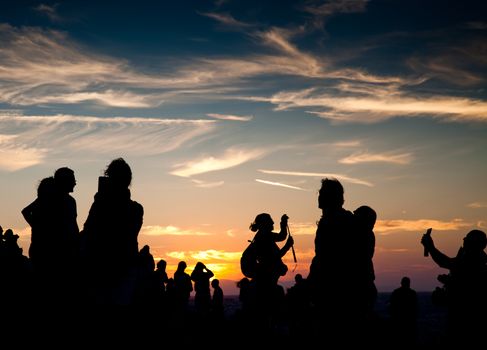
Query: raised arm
[
  {"x": 438, "y": 257},
  {"x": 281, "y": 236}
]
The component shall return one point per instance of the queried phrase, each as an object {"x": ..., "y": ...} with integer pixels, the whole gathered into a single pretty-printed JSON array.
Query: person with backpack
[{"x": 269, "y": 265}]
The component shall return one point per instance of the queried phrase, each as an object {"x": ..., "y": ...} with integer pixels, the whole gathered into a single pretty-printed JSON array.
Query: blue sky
[{"x": 225, "y": 109}]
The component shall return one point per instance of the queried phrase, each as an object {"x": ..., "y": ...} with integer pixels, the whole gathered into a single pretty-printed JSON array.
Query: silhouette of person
[
  {"x": 201, "y": 276},
  {"x": 466, "y": 287},
  {"x": 182, "y": 289},
  {"x": 14, "y": 273},
  {"x": 54, "y": 248},
  {"x": 110, "y": 232},
  {"x": 332, "y": 276},
  {"x": 217, "y": 306},
  {"x": 365, "y": 218},
  {"x": 246, "y": 298},
  {"x": 146, "y": 292},
  {"x": 39, "y": 215},
  {"x": 161, "y": 280},
  {"x": 270, "y": 266},
  {"x": 403, "y": 310},
  {"x": 298, "y": 307}
]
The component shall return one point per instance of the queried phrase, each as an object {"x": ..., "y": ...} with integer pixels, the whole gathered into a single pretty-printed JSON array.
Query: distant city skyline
[{"x": 227, "y": 109}]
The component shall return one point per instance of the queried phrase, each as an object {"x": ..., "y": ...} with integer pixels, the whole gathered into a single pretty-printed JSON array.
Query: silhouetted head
[
  {"x": 46, "y": 187},
  {"x": 182, "y": 266},
  {"x": 366, "y": 216},
  {"x": 10, "y": 236},
  {"x": 262, "y": 221},
  {"x": 331, "y": 194},
  {"x": 475, "y": 240},
  {"x": 199, "y": 266},
  {"x": 244, "y": 282},
  {"x": 298, "y": 278},
  {"x": 215, "y": 283},
  {"x": 119, "y": 173},
  {"x": 64, "y": 179},
  {"x": 405, "y": 282},
  {"x": 145, "y": 249},
  {"x": 161, "y": 264}
]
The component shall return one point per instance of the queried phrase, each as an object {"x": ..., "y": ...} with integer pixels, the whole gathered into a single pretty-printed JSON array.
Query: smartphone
[{"x": 103, "y": 184}]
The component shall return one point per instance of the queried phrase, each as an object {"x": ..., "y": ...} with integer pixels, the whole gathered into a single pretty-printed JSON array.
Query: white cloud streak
[
  {"x": 319, "y": 175},
  {"x": 357, "y": 158},
  {"x": 243, "y": 118},
  {"x": 207, "y": 184},
  {"x": 230, "y": 158},
  {"x": 279, "y": 184},
  {"x": 227, "y": 19}
]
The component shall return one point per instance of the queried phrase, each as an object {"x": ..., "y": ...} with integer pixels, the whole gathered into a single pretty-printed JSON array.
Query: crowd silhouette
[{"x": 100, "y": 270}]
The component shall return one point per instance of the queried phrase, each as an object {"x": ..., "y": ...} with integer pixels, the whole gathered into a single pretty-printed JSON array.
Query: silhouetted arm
[
  {"x": 287, "y": 246},
  {"x": 281, "y": 236},
  {"x": 438, "y": 257}
]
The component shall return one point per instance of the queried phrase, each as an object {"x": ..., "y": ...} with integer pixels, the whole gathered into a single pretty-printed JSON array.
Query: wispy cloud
[
  {"x": 420, "y": 225},
  {"x": 207, "y": 184},
  {"x": 320, "y": 175},
  {"x": 28, "y": 140},
  {"x": 323, "y": 11},
  {"x": 230, "y": 158},
  {"x": 402, "y": 158},
  {"x": 345, "y": 144},
  {"x": 368, "y": 109},
  {"x": 458, "y": 64},
  {"x": 243, "y": 118},
  {"x": 477, "y": 205},
  {"x": 15, "y": 156},
  {"x": 303, "y": 228},
  {"x": 279, "y": 184},
  {"x": 227, "y": 19},
  {"x": 49, "y": 11},
  {"x": 171, "y": 231}
]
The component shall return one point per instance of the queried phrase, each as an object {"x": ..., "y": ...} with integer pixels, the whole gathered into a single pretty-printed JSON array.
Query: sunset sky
[{"x": 226, "y": 109}]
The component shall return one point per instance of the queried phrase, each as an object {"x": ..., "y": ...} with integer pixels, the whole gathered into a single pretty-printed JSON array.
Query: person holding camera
[
  {"x": 270, "y": 265},
  {"x": 201, "y": 276},
  {"x": 110, "y": 246}
]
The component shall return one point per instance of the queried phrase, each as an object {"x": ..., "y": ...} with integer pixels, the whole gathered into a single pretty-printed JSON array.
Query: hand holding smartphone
[
  {"x": 103, "y": 184},
  {"x": 428, "y": 233}
]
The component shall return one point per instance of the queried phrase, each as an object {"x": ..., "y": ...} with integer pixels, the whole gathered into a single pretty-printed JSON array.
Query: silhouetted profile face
[
  {"x": 330, "y": 195},
  {"x": 65, "y": 180}
]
